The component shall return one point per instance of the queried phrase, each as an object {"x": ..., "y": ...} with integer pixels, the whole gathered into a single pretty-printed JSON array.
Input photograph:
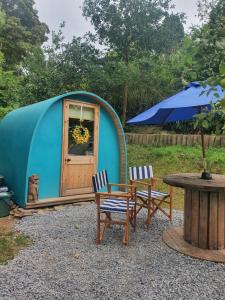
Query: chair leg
[
  {"x": 126, "y": 234},
  {"x": 98, "y": 241},
  {"x": 158, "y": 207},
  {"x": 171, "y": 208},
  {"x": 109, "y": 218},
  {"x": 135, "y": 219},
  {"x": 148, "y": 221},
  {"x": 104, "y": 228},
  {"x": 126, "y": 229}
]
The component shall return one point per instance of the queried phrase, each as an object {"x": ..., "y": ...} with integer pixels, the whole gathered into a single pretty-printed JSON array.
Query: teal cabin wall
[
  {"x": 31, "y": 143},
  {"x": 16, "y": 133},
  {"x": 45, "y": 152}
]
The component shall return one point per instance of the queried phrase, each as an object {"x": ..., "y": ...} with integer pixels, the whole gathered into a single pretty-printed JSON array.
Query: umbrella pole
[{"x": 203, "y": 148}]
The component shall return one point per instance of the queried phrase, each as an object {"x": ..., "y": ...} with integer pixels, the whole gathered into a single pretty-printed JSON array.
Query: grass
[
  {"x": 175, "y": 159},
  {"x": 11, "y": 243}
]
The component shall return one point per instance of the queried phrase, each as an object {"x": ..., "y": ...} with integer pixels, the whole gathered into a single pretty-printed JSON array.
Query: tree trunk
[{"x": 125, "y": 95}]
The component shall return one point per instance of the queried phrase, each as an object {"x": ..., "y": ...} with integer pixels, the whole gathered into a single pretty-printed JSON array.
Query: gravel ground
[{"x": 65, "y": 263}]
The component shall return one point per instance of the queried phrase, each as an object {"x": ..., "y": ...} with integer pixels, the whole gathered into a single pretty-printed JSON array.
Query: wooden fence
[{"x": 174, "y": 139}]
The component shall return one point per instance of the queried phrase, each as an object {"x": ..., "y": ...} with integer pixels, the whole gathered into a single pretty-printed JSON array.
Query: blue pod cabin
[{"x": 50, "y": 150}]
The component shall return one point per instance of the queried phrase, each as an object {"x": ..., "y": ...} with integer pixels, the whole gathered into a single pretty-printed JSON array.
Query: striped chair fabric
[
  {"x": 4, "y": 189},
  {"x": 100, "y": 180},
  {"x": 139, "y": 173},
  {"x": 145, "y": 172},
  {"x": 116, "y": 205},
  {"x": 154, "y": 194}
]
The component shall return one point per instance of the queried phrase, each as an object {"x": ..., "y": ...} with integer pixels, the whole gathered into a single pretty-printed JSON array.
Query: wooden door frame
[{"x": 66, "y": 103}]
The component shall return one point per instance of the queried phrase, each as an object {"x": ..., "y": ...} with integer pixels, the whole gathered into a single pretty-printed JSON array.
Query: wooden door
[{"x": 79, "y": 157}]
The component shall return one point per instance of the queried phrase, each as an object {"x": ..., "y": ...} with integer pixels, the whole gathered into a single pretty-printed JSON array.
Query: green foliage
[
  {"x": 20, "y": 30},
  {"x": 140, "y": 24},
  {"x": 58, "y": 68},
  {"x": 212, "y": 120},
  {"x": 214, "y": 56},
  {"x": 9, "y": 87},
  {"x": 209, "y": 41}
]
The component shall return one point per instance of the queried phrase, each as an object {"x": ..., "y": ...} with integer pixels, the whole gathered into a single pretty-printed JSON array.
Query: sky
[{"x": 53, "y": 12}]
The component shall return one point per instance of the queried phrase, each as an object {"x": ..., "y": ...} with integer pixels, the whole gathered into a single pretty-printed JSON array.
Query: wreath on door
[{"x": 80, "y": 134}]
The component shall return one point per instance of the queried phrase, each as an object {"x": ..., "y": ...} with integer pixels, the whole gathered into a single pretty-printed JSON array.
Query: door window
[{"x": 81, "y": 130}]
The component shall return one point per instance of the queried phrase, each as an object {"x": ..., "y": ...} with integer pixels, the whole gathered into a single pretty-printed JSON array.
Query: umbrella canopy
[{"x": 180, "y": 107}]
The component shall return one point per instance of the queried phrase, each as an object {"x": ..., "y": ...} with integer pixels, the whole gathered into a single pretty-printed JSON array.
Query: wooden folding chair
[
  {"x": 112, "y": 203},
  {"x": 150, "y": 198}
]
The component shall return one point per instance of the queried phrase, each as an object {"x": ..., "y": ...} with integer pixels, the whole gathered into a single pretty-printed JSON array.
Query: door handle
[{"x": 67, "y": 159}]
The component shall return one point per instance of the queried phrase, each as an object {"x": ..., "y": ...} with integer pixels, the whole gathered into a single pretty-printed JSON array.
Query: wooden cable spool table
[{"x": 203, "y": 234}]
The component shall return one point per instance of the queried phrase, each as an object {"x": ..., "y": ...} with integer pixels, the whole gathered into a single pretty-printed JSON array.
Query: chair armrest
[
  {"x": 140, "y": 182},
  {"x": 103, "y": 195},
  {"x": 117, "y": 195},
  {"x": 122, "y": 185}
]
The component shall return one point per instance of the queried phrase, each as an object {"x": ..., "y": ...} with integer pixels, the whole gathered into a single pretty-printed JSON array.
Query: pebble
[{"x": 64, "y": 262}]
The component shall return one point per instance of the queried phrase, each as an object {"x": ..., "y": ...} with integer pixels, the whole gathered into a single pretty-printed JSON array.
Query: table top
[{"x": 193, "y": 181}]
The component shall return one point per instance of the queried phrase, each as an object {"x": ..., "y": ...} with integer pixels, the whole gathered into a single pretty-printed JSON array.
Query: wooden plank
[
  {"x": 217, "y": 141},
  {"x": 145, "y": 141},
  {"x": 152, "y": 139},
  {"x": 213, "y": 224},
  {"x": 207, "y": 140},
  {"x": 187, "y": 215},
  {"x": 62, "y": 200},
  {"x": 189, "y": 140},
  {"x": 194, "y": 217},
  {"x": 195, "y": 140},
  {"x": 170, "y": 139},
  {"x": 179, "y": 139},
  {"x": 203, "y": 219},
  {"x": 161, "y": 140},
  {"x": 221, "y": 220},
  {"x": 174, "y": 139},
  {"x": 157, "y": 138},
  {"x": 184, "y": 140},
  {"x": 222, "y": 141}
]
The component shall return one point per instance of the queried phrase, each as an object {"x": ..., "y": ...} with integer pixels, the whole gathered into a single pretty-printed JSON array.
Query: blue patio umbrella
[{"x": 180, "y": 107}]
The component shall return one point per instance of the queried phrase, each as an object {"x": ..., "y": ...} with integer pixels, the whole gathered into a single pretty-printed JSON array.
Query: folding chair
[
  {"x": 112, "y": 203},
  {"x": 150, "y": 198}
]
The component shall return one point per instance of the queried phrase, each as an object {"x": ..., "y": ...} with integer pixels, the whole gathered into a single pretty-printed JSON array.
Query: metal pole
[{"x": 203, "y": 149}]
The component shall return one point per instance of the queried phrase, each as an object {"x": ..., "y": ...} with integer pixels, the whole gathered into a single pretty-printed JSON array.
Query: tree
[
  {"x": 20, "y": 30},
  {"x": 9, "y": 88},
  {"x": 210, "y": 42},
  {"x": 131, "y": 26},
  {"x": 58, "y": 68}
]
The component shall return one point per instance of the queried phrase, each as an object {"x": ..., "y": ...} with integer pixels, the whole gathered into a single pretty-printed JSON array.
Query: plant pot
[{"x": 206, "y": 176}]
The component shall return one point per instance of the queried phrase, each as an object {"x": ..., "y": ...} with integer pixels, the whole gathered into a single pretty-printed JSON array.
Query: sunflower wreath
[{"x": 80, "y": 134}]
